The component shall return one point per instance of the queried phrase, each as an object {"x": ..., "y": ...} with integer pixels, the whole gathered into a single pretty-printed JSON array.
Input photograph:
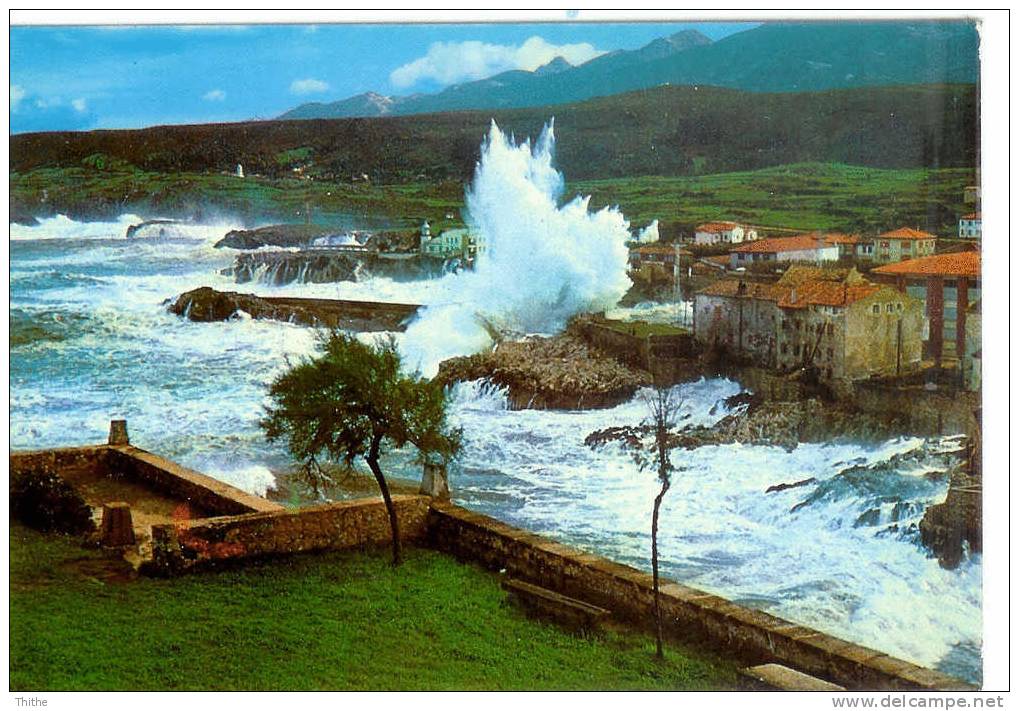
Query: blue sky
[{"x": 74, "y": 78}]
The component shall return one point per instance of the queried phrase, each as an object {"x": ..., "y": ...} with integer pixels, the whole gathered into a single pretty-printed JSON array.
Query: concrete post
[
  {"x": 434, "y": 481},
  {"x": 117, "y": 529},
  {"x": 936, "y": 314},
  {"x": 961, "y": 305},
  {"x": 118, "y": 432}
]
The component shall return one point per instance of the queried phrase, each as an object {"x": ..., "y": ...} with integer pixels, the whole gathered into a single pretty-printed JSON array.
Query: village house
[
  {"x": 837, "y": 322},
  {"x": 969, "y": 226},
  {"x": 448, "y": 244},
  {"x": 658, "y": 260},
  {"x": 723, "y": 233},
  {"x": 801, "y": 248},
  {"x": 903, "y": 243},
  {"x": 849, "y": 245},
  {"x": 947, "y": 284}
]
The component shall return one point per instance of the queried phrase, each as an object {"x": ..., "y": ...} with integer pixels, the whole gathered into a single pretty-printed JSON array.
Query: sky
[{"x": 78, "y": 78}]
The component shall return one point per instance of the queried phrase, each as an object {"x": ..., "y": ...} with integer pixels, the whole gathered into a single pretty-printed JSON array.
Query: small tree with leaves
[{"x": 352, "y": 399}]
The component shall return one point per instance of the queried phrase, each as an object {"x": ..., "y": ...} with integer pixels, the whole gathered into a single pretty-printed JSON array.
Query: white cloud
[
  {"x": 214, "y": 95},
  {"x": 308, "y": 86},
  {"x": 79, "y": 105},
  {"x": 450, "y": 62},
  {"x": 17, "y": 94}
]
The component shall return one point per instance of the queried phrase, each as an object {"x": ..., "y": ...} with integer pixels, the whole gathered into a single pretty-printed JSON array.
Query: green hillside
[{"x": 667, "y": 131}]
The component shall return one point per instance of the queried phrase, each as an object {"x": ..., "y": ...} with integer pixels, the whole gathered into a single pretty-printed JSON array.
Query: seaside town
[{"x": 461, "y": 390}]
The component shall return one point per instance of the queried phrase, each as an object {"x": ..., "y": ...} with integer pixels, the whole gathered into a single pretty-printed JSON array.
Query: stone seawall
[
  {"x": 91, "y": 459},
  {"x": 179, "y": 482},
  {"x": 347, "y": 524},
  {"x": 753, "y": 636}
]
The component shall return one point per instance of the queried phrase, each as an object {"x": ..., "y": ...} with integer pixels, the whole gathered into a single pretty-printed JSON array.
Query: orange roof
[
  {"x": 907, "y": 233},
  {"x": 716, "y": 227},
  {"x": 811, "y": 293},
  {"x": 955, "y": 264},
  {"x": 781, "y": 244},
  {"x": 826, "y": 293},
  {"x": 659, "y": 249},
  {"x": 971, "y": 216},
  {"x": 839, "y": 238}
]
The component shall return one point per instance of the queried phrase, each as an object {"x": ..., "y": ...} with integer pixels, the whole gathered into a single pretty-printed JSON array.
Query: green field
[
  {"x": 805, "y": 196},
  {"x": 331, "y": 621}
]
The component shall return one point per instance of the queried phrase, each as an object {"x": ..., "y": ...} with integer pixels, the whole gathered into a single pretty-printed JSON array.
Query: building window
[
  {"x": 877, "y": 308},
  {"x": 831, "y": 330},
  {"x": 898, "y": 307},
  {"x": 889, "y": 308}
]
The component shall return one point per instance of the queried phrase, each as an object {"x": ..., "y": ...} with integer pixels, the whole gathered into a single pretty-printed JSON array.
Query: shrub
[{"x": 42, "y": 500}]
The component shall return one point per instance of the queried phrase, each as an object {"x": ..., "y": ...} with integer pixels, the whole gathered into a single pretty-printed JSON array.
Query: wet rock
[
  {"x": 275, "y": 236},
  {"x": 154, "y": 229},
  {"x": 783, "y": 487},
  {"x": 950, "y": 528},
  {"x": 207, "y": 304},
  {"x": 561, "y": 372},
  {"x": 311, "y": 266}
]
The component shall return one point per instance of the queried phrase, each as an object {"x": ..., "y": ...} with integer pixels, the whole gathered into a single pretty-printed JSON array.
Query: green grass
[
  {"x": 329, "y": 621},
  {"x": 643, "y": 329},
  {"x": 803, "y": 196}
]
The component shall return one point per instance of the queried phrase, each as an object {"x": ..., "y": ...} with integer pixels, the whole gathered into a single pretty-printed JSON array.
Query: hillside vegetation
[{"x": 665, "y": 131}]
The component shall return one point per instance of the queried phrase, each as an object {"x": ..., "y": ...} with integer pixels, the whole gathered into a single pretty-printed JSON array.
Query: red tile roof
[
  {"x": 955, "y": 264},
  {"x": 971, "y": 216},
  {"x": 907, "y": 233},
  {"x": 839, "y": 238},
  {"x": 814, "y": 293},
  {"x": 781, "y": 244},
  {"x": 716, "y": 227}
]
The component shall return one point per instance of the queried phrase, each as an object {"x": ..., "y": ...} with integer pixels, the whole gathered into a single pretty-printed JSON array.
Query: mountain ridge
[{"x": 773, "y": 57}]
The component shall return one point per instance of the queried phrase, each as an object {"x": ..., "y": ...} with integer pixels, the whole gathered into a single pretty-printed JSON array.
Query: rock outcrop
[
  {"x": 949, "y": 528},
  {"x": 207, "y": 304},
  {"x": 154, "y": 229},
  {"x": 306, "y": 266},
  {"x": 561, "y": 372},
  {"x": 275, "y": 236}
]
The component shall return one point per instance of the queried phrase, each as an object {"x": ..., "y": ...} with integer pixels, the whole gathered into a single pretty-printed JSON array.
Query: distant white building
[
  {"x": 801, "y": 248},
  {"x": 723, "y": 233},
  {"x": 969, "y": 226}
]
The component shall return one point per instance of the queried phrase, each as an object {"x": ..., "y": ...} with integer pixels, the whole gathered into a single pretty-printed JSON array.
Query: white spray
[{"x": 542, "y": 262}]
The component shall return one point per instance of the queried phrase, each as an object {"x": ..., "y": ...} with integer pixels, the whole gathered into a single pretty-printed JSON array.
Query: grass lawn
[
  {"x": 330, "y": 621},
  {"x": 643, "y": 329}
]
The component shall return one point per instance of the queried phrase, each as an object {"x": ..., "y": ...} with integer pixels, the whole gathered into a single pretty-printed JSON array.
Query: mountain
[
  {"x": 367, "y": 104},
  {"x": 773, "y": 57},
  {"x": 667, "y": 131},
  {"x": 559, "y": 64}
]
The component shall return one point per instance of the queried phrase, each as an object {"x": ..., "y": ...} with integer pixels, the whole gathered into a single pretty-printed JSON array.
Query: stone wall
[
  {"x": 346, "y": 524},
  {"x": 752, "y": 636},
  {"x": 92, "y": 459},
  {"x": 179, "y": 482}
]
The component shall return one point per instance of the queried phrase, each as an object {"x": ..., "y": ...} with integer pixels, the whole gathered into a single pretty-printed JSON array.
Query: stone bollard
[
  {"x": 116, "y": 529},
  {"x": 118, "y": 432},
  {"x": 434, "y": 481}
]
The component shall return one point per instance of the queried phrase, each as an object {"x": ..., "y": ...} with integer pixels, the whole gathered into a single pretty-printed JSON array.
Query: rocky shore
[
  {"x": 207, "y": 304},
  {"x": 950, "y": 528},
  {"x": 561, "y": 372},
  {"x": 274, "y": 236}
]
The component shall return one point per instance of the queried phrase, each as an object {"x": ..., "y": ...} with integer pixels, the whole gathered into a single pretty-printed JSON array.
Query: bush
[{"x": 42, "y": 500}]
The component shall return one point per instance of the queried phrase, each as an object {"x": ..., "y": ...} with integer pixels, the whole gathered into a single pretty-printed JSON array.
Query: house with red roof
[
  {"x": 813, "y": 247},
  {"x": 723, "y": 233},
  {"x": 838, "y": 323},
  {"x": 903, "y": 243}
]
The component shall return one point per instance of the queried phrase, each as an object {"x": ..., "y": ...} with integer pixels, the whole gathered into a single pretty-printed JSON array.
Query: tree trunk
[
  {"x": 659, "y": 651},
  {"x": 394, "y": 527}
]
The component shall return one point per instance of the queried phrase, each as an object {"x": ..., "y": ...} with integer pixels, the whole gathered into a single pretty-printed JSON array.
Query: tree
[
  {"x": 663, "y": 410},
  {"x": 352, "y": 399}
]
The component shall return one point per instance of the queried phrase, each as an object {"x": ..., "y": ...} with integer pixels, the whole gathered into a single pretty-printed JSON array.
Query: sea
[{"x": 91, "y": 340}]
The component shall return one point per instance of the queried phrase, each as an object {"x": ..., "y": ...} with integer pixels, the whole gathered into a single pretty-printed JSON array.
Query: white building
[
  {"x": 723, "y": 233},
  {"x": 801, "y": 248},
  {"x": 969, "y": 226}
]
